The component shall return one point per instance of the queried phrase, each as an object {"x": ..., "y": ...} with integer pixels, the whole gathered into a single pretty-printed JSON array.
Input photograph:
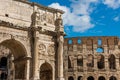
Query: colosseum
[{"x": 92, "y": 58}]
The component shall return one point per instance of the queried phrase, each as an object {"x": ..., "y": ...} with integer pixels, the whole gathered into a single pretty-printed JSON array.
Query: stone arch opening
[
  {"x": 3, "y": 76},
  {"x": 100, "y": 62},
  {"x": 113, "y": 78},
  {"x": 101, "y": 78},
  {"x": 80, "y": 61},
  {"x": 69, "y": 62},
  {"x": 70, "y": 78},
  {"x": 99, "y": 42},
  {"x": 79, "y": 41},
  {"x": 112, "y": 62},
  {"x": 70, "y": 41},
  {"x": 46, "y": 71},
  {"x": 13, "y": 60},
  {"x": 90, "y": 61},
  {"x": 3, "y": 62},
  {"x": 80, "y": 78},
  {"x": 90, "y": 78},
  {"x": 99, "y": 50}
]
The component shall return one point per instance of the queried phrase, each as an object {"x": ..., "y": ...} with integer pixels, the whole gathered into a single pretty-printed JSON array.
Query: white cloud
[
  {"x": 77, "y": 15},
  {"x": 116, "y": 18},
  {"x": 112, "y": 3},
  {"x": 82, "y": 6}
]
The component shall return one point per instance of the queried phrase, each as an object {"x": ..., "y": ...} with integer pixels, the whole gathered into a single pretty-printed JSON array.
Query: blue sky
[{"x": 88, "y": 17}]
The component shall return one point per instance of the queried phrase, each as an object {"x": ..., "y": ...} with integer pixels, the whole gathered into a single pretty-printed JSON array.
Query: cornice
[
  {"x": 41, "y": 6},
  {"x": 26, "y": 28},
  {"x": 11, "y": 25}
]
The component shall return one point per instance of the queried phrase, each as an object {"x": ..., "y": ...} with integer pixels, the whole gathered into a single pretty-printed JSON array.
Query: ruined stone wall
[{"x": 92, "y": 58}]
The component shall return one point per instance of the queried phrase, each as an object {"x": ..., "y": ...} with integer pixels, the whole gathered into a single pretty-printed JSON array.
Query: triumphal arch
[{"x": 31, "y": 39}]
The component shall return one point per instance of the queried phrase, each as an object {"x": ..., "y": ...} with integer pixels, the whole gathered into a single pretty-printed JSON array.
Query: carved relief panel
[
  {"x": 50, "y": 18},
  {"x": 41, "y": 48},
  {"x": 46, "y": 49},
  {"x": 44, "y": 16},
  {"x": 51, "y": 49}
]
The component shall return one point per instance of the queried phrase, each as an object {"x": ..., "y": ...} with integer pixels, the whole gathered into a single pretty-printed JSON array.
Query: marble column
[
  {"x": 27, "y": 69},
  {"x": 35, "y": 61},
  {"x": 60, "y": 41}
]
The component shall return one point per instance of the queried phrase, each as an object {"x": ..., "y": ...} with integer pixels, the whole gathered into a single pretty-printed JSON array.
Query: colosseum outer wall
[{"x": 92, "y": 58}]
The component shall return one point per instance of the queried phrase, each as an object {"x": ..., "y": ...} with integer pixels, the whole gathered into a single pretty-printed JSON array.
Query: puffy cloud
[
  {"x": 112, "y": 3},
  {"x": 77, "y": 15},
  {"x": 82, "y": 6}
]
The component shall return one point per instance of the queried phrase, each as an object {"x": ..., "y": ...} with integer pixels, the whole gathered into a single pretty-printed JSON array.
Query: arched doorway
[
  {"x": 101, "y": 78},
  {"x": 113, "y": 78},
  {"x": 90, "y": 61},
  {"x": 3, "y": 63},
  {"x": 3, "y": 76},
  {"x": 80, "y": 78},
  {"x": 13, "y": 60},
  {"x": 70, "y": 78},
  {"x": 90, "y": 78},
  {"x": 46, "y": 72},
  {"x": 100, "y": 62},
  {"x": 112, "y": 62}
]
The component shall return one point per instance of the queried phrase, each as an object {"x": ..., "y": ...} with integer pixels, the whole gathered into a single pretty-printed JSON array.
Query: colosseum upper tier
[{"x": 92, "y": 58}]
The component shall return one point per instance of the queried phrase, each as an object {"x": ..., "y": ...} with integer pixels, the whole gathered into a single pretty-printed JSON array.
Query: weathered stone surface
[
  {"x": 28, "y": 41},
  {"x": 92, "y": 58}
]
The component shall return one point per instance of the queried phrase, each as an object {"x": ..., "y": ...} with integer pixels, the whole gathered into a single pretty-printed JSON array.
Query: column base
[{"x": 60, "y": 78}]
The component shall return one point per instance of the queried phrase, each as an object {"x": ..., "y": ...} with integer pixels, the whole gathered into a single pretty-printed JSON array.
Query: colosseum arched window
[
  {"x": 113, "y": 78},
  {"x": 100, "y": 62},
  {"x": 112, "y": 63},
  {"x": 90, "y": 78},
  {"x": 69, "y": 62},
  {"x": 79, "y": 41},
  {"x": 99, "y": 42},
  {"x": 3, "y": 62},
  {"x": 80, "y": 61},
  {"x": 90, "y": 61},
  {"x": 99, "y": 50},
  {"x": 101, "y": 78},
  {"x": 70, "y": 78},
  {"x": 70, "y": 41},
  {"x": 80, "y": 78}
]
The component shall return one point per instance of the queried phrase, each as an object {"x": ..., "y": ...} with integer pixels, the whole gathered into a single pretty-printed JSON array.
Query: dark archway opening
[
  {"x": 13, "y": 62},
  {"x": 3, "y": 76},
  {"x": 90, "y": 61},
  {"x": 112, "y": 62},
  {"x": 46, "y": 72},
  {"x": 80, "y": 61},
  {"x": 69, "y": 62},
  {"x": 3, "y": 63},
  {"x": 100, "y": 62},
  {"x": 70, "y": 78},
  {"x": 90, "y": 78},
  {"x": 80, "y": 78},
  {"x": 113, "y": 78},
  {"x": 101, "y": 78}
]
